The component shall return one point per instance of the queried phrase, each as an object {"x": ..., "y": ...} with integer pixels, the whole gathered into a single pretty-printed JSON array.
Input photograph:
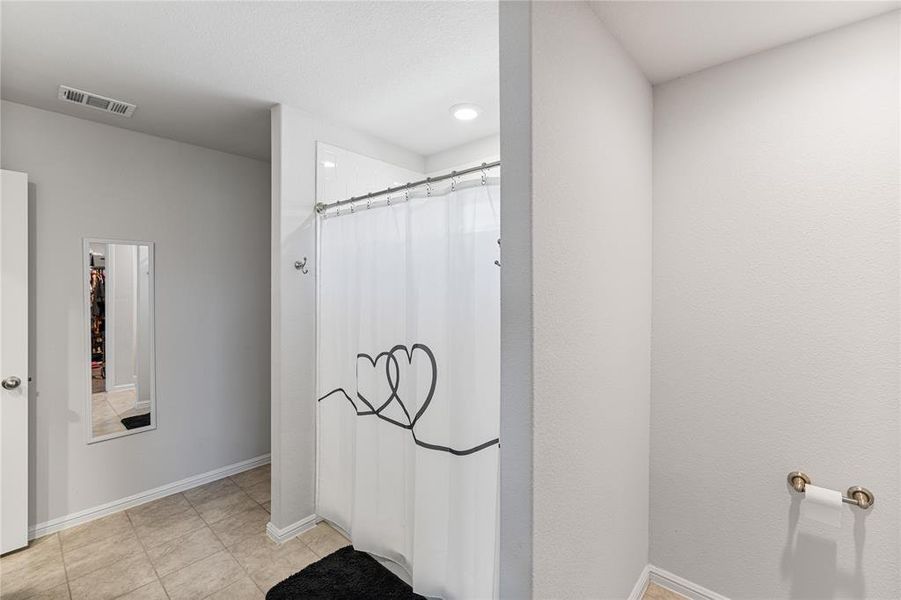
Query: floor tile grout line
[
  {"x": 229, "y": 548},
  {"x": 156, "y": 575},
  {"x": 193, "y": 562},
  {"x": 185, "y": 566},
  {"x": 182, "y": 493},
  {"x": 229, "y": 515},
  {"x": 146, "y": 555},
  {"x": 209, "y": 523},
  {"x": 251, "y": 497},
  {"x": 103, "y": 539},
  {"x": 204, "y": 558},
  {"x": 133, "y": 529},
  {"x": 63, "y": 560},
  {"x": 190, "y": 506},
  {"x": 225, "y": 548},
  {"x": 235, "y": 558}
]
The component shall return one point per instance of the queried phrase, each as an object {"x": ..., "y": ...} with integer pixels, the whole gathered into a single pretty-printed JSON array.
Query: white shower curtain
[{"x": 409, "y": 385}]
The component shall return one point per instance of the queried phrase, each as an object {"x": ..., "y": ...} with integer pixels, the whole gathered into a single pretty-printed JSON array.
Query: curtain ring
[
  {"x": 484, "y": 177},
  {"x": 453, "y": 182},
  {"x": 368, "y": 203},
  {"x": 388, "y": 197},
  {"x": 351, "y": 207},
  {"x": 428, "y": 188}
]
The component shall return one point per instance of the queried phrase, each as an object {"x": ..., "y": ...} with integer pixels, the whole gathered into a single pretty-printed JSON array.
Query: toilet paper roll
[{"x": 822, "y": 505}]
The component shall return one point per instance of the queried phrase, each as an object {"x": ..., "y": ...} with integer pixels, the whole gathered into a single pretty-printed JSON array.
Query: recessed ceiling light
[
  {"x": 328, "y": 164},
  {"x": 465, "y": 112}
]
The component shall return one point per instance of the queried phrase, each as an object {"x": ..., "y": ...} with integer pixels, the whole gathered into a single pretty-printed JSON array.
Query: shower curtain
[{"x": 409, "y": 384}]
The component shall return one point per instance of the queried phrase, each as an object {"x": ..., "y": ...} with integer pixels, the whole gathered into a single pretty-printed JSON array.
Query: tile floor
[
  {"x": 207, "y": 542},
  {"x": 109, "y": 408},
  {"x": 656, "y": 592}
]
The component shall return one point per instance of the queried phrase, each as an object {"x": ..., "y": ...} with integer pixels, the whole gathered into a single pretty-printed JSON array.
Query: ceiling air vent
[{"x": 117, "y": 107}]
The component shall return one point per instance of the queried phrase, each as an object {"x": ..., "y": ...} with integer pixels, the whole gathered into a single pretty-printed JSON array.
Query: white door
[{"x": 13, "y": 361}]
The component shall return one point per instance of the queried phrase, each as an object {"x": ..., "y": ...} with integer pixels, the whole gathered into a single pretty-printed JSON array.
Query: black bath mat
[
  {"x": 136, "y": 421},
  {"x": 344, "y": 575}
]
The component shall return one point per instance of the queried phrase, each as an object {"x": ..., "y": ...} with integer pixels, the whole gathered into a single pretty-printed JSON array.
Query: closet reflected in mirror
[{"x": 119, "y": 334}]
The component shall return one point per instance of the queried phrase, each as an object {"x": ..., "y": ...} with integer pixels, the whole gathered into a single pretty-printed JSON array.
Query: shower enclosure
[{"x": 408, "y": 379}]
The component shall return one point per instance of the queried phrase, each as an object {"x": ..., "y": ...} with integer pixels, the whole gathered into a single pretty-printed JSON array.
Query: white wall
[
  {"x": 143, "y": 342},
  {"x": 591, "y": 247},
  {"x": 121, "y": 305},
  {"x": 293, "y": 307},
  {"x": 776, "y": 317},
  {"x": 515, "y": 579},
  {"x": 208, "y": 213}
]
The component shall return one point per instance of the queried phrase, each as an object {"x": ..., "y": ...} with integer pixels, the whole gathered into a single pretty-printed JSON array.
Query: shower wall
[
  {"x": 461, "y": 157},
  {"x": 776, "y": 316},
  {"x": 293, "y": 335},
  {"x": 341, "y": 174},
  {"x": 362, "y": 163}
]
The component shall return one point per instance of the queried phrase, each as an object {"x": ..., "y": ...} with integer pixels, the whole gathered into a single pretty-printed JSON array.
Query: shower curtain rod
[{"x": 322, "y": 207}]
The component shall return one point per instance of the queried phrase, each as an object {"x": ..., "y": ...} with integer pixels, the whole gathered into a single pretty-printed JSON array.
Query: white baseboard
[
  {"x": 672, "y": 582},
  {"x": 280, "y": 536},
  {"x": 120, "y": 388},
  {"x": 83, "y": 516},
  {"x": 142, "y": 405},
  {"x": 640, "y": 585}
]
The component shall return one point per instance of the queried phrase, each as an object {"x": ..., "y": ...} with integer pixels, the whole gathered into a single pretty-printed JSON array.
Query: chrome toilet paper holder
[{"x": 856, "y": 495}]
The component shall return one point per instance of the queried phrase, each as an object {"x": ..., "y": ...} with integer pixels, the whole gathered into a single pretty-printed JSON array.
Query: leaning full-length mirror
[{"x": 119, "y": 323}]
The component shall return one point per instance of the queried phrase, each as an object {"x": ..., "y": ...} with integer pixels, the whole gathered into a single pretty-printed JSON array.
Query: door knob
[{"x": 11, "y": 383}]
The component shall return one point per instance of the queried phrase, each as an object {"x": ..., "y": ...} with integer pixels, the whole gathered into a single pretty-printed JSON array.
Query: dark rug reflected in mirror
[
  {"x": 343, "y": 575},
  {"x": 136, "y": 421}
]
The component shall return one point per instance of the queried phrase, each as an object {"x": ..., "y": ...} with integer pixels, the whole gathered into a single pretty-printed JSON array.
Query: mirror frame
[{"x": 86, "y": 345}]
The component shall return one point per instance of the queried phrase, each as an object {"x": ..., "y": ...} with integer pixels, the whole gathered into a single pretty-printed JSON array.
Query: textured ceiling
[
  {"x": 206, "y": 73},
  {"x": 671, "y": 39}
]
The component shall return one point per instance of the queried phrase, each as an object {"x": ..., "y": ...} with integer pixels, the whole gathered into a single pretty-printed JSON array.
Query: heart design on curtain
[
  {"x": 373, "y": 383},
  {"x": 379, "y": 394},
  {"x": 382, "y": 396}
]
